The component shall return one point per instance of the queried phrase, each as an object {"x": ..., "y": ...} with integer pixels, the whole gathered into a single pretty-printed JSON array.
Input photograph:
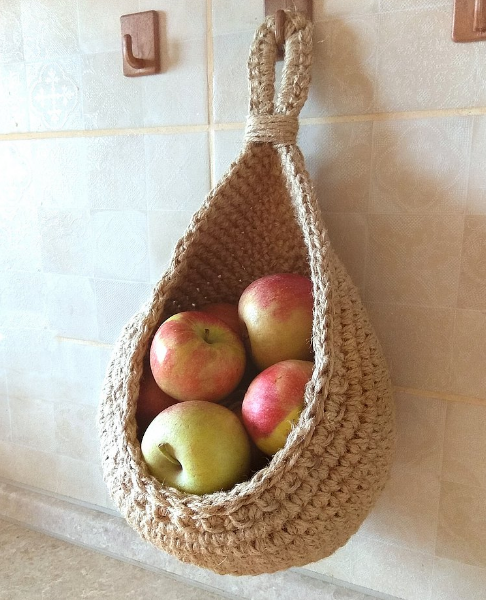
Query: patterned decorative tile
[
  {"x": 472, "y": 287},
  {"x": 116, "y": 172},
  {"x": 477, "y": 170},
  {"x": 120, "y": 244},
  {"x": 175, "y": 180},
  {"x": 420, "y": 166},
  {"x": 14, "y": 107},
  {"x": 417, "y": 343},
  {"x": 54, "y": 95},
  {"x": 419, "y": 67},
  {"x": 99, "y": 24},
  {"x": 414, "y": 259},
  {"x": 50, "y": 28},
  {"x": 469, "y": 352},
  {"x": 338, "y": 158},
  {"x": 462, "y": 524},
  {"x": 110, "y": 100},
  {"x": 11, "y": 32}
]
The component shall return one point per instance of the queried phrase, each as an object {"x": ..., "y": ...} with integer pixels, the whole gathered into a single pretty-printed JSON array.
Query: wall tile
[
  {"x": 462, "y": 524},
  {"x": 420, "y": 166},
  {"x": 417, "y": 342},
  {"x": 465, "y": 445},
  {"x": 481, "y": 77},
  {"x": 227, "y": 146},
  {"x": 22, "y": 300},
  {"x": 5, "y": 429},
  {"x": 472, "y": 285},
  {"x": 99, "y": 24},
  {"x": 120, "y": 244},
  {"x": 344, "y": 64},
  {"x": 420, "y": 423},
  {"x": 11, "y": 46},
  {"x": 182, "y": 20},
  {"x": 231, "y": 17},
  {"x": 419, "y": 67},
  {"x": 31, "y": 467},
  {"x": 75, "y": 432},
  {"x": 452, "y": 580},
  {"x": 111, "y": 185},
  {"x": 393, "y": 5},
  {"x": 116, "y": 303},
  {"x": 110, "y": 100},
  {"x": 14, "y": 107},
  {"x": 469, "y": 351},
  {"x": 178, "y": 96},
  {"x": 81, "y": 480},
  {"x": 50, "y": 28},
  {"x": 414, "y": 259},
  {"x": 477, "y": 169},
  {"x": 175, "y": 180},
  {"x": 341, "y": 564},
  {"x": 55, "y": 97},
  {"x": 32, "y": 423},
  {"x": 338, "y": 158},
  {"x": 165, "y": 230},
  {"x": 325, "y": 9}
]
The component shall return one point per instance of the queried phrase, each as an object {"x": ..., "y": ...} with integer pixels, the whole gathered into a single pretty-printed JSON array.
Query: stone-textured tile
[
  {"x": 343, "y": 68},
  {"x": 338, "y": 158},
  {"x": 469, "y": 352},
  {"x": 71, "y": 306},
  {"x": 22, "y": 300},
  {"x": 340, "y": 565},
  {"x": 420, "y": 166},
  {"x": 29, "y": 466},
  {"x": 417, "y": 342},
  {"x": 99, "y": 24},
  {"x": 14, "y": 106},
  {"x": 165, "y": 230},
  {"x": 393, "y": 5},
  {"x": 462, "y": 524},
  {"x": 182, "y": 20},
  {"x": 116, "y": 172},
  {"x": 227, "y": 146},
  {"x": 81, "y": 480},
  {"x": 5, "y": 429},
  {"x": 32, "y": 423},
  {"x": 175, "y": 180},
  {"x": 120, "y": 244},
  {"x": 110, "y": 100},
  {"x": 50, "y": 28},
  {"x": 55, "y": 96},
  {"x": 472, "y": 286},
  {"x": 419, "y": 67},
  {"x": 477, "y": 169},
  {"x": 328, "y": 9},
  {"x": 75, "y": 432},
  {"x": 420, "y": 423},
  {"x": 452, "y": 580},
  {"x": 11, "y": 49},
  {"x": 178, "y": 96},
  {"x": 414, "y": 259},
  {"x": 231, "y": 17},
  {"x": 481, "y": 76},
  {"x": 117, "y": 302},
  {"x": 465, "y": 445},
  {"x": 349, "y": 236},
  {"x": 407, "y": 511}
]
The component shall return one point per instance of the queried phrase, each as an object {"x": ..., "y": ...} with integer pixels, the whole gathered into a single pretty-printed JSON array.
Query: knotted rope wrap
[{"x": 262, "y": 218}]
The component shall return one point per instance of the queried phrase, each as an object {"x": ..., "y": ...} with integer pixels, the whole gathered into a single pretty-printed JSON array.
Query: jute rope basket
[{"x": 262, "y": 218}]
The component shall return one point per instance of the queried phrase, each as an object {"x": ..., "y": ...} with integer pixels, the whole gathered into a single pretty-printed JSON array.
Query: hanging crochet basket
[{"x": 262, "y": 218}]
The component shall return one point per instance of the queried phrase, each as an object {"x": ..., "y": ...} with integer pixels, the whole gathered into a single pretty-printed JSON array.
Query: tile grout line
[{"x": 210, "y": 89}]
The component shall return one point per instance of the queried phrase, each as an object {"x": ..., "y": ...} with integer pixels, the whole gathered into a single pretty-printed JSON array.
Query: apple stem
[
  {"x": 206, "y": 335},
  {"x": 166, "y": 451}
]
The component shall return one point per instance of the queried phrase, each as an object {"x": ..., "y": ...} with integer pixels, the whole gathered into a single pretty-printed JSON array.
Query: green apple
[{"x": 197, "y": 447}]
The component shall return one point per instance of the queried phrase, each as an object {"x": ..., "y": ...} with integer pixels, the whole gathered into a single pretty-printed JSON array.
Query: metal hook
[{"x": 135, "y": 63}]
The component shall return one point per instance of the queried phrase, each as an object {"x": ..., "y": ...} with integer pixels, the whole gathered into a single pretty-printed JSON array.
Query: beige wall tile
[
  {"x": 81, "y": 480},
  {"x": 462, "y": 524},
  {"x": 420, "y": 426},
  {"x": 452, "y": 580},
  {"x": 419, "y": 67},
  {"x": 414, "y": 259},
  {"x": 465, "y": 445},
  {"x": 420, "y": 166},
  {"x": 11, "y": 49},
  {"x": 99, "y": 23},
  {"x": 341, "y": 564},
  {"x": 325, "y": 9},
  {"x": 417, "y": 342},
  {"x": 32, "y": 424},
  {"x": 5, "y": 434},
  {"x": 29, "y": 466},
  {"x": 469, "y": 354},
  {"x": 76, "y": 432},
  {"x": 231, "y": 17},
  {"x": 387, "y": 5},
  {"x": 477, "y": 169},
  {"x": 338, "y": 158},
  {"x": 472, "y": 286}
]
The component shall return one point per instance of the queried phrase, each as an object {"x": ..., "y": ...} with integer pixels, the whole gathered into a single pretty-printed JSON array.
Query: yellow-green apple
[
  {"x": 277, "y": 312},
  {"x": 197, "y": 447},
  {"x": 226, "y": 312},
  {"x": 273, "y": 403},
  {"x": 151, "y": 399},
  {"x": 196, "y": 356}
]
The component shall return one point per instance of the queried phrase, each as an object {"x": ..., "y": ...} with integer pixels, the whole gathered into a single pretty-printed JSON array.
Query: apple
[
  {"x": 273, "y": 403},
  {"x": 197, "y": 447},
  {"x": 151, "y": 399},
  {"x": 277, "y": 312},
  {"x": 196, "y": 356},
  {"x": 226, "y": 312}
]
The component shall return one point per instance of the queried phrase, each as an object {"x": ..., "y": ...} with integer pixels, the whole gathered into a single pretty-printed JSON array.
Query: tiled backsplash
[{"x": 101, "y": 174}]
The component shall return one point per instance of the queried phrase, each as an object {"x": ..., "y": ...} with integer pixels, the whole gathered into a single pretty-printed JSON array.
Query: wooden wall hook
[
  {"x": 133, "y": 62},
  {"x": 140, "y": 43}
]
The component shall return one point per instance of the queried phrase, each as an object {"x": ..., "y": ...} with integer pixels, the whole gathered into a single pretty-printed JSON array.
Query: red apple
[
  {"x": 196, "y": 356},
  {"x": 277, "y": 312},
  {"x": 226, "y": 312},
  {"x": 151, "y": 399},
  {"x": 273, "y": 403}
]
